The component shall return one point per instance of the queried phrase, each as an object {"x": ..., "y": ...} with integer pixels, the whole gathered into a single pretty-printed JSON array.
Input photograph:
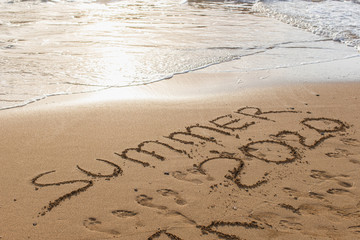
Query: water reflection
[{"x": 73, "y": 46}]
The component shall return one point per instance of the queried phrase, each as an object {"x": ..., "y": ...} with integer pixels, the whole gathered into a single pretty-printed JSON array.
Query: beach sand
[{"x": 199, "y": 156}]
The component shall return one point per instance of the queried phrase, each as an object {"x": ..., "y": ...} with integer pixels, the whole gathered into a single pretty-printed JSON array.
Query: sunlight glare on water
[
  {"x": 49, "y": 47},
  {"x": 65, "y": 47}
]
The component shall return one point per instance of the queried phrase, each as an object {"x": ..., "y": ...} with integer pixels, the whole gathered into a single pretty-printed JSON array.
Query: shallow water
[
  {"x": 65, "y": 47},
  {"x": 337, "y": 19}
]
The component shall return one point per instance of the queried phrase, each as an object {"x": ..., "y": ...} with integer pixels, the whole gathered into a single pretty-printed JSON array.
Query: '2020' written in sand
[{"x": 211, "y": 138}]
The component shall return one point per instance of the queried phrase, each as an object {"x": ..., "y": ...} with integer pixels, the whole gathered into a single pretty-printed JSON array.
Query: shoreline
[{"x": 267, "y": 67}]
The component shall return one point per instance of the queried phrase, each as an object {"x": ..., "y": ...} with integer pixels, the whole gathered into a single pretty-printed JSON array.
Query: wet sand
[{"x": 183, "y": 160}]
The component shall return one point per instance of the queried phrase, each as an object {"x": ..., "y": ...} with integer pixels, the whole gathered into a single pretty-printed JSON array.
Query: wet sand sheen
[
  {"x": 69, "y": 47},
  {"x": 274, "y": 162}
]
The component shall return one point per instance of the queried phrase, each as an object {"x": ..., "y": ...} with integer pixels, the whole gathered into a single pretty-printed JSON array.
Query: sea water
[{"x": 66, "y": 47}]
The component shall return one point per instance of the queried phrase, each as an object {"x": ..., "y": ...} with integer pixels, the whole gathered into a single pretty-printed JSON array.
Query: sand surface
[{"x": 175, "y": 161}]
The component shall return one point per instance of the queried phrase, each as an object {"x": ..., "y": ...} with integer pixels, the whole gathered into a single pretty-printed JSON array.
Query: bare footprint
[
  {"x": 172, "y": 193},
  {"x": 184, "y": 177},
  {"x": 290, "y": 225},
  {"x": 123, "y": 213},
  {"x": 146, "y": 201},
  {"x": 95, "y": 225},
  {"x": 350, "y": 141},
  {"x": 319, "y": 174},
  {"x": 339, "y": 153},
  {"x": 324, "y": 175},
  {"x": 345, "y": 184},
  {"x": 313, "y": 208},
  {"x": 290, "y": 190},
  {"x": 337, "y": 191},
  {"x": 91, "y": 221},
  {"x": 316, "y": 195}
]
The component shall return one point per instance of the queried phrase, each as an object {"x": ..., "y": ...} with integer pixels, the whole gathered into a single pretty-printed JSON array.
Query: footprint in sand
[
  {"x": 276, "y": 219},
  {"x": 95, "y": 225},
  {"x": 290, "y": 190},
  {"x": 323, "y": 175},
  {"x": 146, "y": 201},
  {"x": 183, "y": 176},
  {"x": 319, "y": 174},
  {"x": 293, "y": 193},
  {"x": 345, "y": 184},
  {"x": 287, "y": 224},
  {"x": 124, "y": 213},
  {"x": 296, "y": 193},
  {"x": 339, "y": 153},
  {"x": 350, "y": 141},
  {"x": 337, "y": 191},
  {"x": 316, "y": 195},
  {"x": 172, "y": 193}
]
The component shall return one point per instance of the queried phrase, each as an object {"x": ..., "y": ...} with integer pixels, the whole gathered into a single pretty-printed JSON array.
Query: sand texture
[{"x": 268, "y": 163}]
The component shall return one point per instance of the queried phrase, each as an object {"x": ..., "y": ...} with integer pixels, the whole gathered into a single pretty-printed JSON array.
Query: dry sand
[{"x": 279, "y": 162}]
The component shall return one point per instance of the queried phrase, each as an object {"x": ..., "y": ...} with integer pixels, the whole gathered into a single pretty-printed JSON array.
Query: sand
[{"x": 183, "y": 160}]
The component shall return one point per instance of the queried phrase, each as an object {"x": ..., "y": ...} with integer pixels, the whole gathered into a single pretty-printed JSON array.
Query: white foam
[{"x": 339, "y": 20}]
